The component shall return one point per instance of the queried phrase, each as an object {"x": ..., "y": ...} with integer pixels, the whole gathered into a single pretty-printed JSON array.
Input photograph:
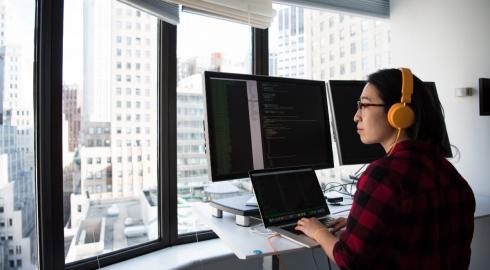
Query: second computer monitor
[
  {"x": 343, "y": 96},
  {"x": 258, "y": 122}
]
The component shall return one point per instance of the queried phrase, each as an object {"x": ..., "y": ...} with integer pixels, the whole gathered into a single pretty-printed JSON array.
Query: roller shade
[
  {"x": 377, "y": 8},
  {"x": 256, "y": 13},
  {"x": 163, "y": 10}
]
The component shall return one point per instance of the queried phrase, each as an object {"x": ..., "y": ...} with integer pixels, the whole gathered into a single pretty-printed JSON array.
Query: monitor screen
[
  {"x": 259, "y": 122},
  {"x": 343, "y": 96},
  {"x": 287, "y": 195}
]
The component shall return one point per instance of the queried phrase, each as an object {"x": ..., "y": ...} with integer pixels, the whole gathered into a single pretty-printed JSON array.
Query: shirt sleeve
[{"x": 370, "y": 220}]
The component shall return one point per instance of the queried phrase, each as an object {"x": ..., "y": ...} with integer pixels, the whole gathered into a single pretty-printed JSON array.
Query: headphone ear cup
[{"x": 400, "y": 116}]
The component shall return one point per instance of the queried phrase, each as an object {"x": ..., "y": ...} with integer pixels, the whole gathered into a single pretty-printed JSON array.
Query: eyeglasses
[{"x": 361, "y": 105}]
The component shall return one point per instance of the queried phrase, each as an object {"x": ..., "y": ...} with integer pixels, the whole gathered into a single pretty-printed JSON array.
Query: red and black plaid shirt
[{"x": 412, "y": 210}]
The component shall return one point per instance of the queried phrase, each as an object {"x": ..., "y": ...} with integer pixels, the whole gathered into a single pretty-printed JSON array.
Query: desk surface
[{"x": 246, "y": 243}]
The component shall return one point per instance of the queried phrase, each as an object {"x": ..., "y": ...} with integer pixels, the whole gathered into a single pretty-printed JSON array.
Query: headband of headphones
[{"x": 407, "y": 85}]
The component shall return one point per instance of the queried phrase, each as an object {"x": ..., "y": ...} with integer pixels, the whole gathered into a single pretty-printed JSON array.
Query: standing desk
[{"x": 246, "y": 243}]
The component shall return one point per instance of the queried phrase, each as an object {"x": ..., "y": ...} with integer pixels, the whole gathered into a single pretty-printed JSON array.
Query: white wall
[{"x": 448, "y": 41}]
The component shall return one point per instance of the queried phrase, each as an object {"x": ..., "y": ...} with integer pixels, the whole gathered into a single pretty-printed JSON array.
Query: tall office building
[
  {"x": 71, "y": 114},
  {"x": 96, "y": 159},
  {"x": 17, "y": 210},
  {"x": 336, "y": 46},
  {"x": 288, "y": 45},
  {"x": 5, "y": 22},
  {"x": 345, "y": 46},
  {"x": 191, "y": 157},
  {"x": 10, "y": 79},
  {"x": 120, "y": 89}
]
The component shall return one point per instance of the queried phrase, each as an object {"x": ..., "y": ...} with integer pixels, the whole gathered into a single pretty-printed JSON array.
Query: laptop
[{"x": 286, "y": 195}]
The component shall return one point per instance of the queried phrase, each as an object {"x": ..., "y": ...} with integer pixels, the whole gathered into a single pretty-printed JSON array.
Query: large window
[
  {"x": 203, "y": 44},
  {"x": 18, "y": 234},
  {"x": 110, "y": 196}
]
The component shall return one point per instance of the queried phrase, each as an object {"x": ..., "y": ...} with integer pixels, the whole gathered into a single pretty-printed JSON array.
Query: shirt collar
[{"x": 415, "y": 145}]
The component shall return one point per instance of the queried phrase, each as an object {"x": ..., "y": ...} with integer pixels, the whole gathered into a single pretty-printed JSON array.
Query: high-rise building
[
  {"x": 96, "y": 159},
  {"x": 17, "y": 210},
  {"x": 336, "y": 45},
  {"x": 10, "y": 79},
  {"x": 71, "y": 113},
  {"x": 5, "y": 23},
  {"x": 120, "y": 89},
  {"x": 288, "y": 48},
  {"x": 342, "y": 46},
  {"x": 191, "y": 157}
]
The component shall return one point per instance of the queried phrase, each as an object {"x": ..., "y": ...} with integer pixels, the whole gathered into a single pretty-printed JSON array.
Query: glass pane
[
  {"x": 223, "y": 46},
  {"x": 109, "y": 127},
  {"x": 18, "y": 234},
  {"x": 326, "y": 45}
]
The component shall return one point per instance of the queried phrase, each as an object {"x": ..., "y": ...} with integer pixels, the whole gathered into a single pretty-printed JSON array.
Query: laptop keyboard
[{"x": 290, "y": 228}]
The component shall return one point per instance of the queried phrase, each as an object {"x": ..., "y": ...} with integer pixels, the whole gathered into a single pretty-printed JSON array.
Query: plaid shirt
[{"x": 412, "y": 210}]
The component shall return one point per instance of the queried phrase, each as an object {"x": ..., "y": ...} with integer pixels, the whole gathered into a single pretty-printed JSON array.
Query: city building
[
  {"x": 17, "y": 209},
  {"x": 288, "y": 43},
  {"x": 343, "y": 46},
  {"x": 120, "y": 89},
  {"x": 71, "y": 112}
]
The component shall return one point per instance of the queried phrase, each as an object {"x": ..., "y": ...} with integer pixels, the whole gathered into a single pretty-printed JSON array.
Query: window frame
[{"x": 48, "y": 60}]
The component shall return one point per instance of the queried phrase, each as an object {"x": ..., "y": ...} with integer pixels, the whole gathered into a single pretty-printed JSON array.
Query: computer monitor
[
  {"x": 342, "y": 97},
  {"x": 259, "y": 122}
]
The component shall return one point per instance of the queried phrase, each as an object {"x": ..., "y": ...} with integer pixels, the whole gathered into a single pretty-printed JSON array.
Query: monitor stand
[{"x": 238, "y": 206}]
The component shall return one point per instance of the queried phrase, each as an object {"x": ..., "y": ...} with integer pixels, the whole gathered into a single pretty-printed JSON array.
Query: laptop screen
[{"x": 287, "y": 195}]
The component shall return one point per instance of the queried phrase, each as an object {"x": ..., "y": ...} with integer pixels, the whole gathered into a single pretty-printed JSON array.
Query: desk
[{"x": 246, "y": 243}]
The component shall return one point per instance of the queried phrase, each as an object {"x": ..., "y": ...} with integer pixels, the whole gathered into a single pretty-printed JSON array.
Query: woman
[{"x": 412, "y": 209}]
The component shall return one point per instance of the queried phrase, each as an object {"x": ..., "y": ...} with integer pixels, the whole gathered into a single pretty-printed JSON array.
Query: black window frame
[{"x": 48, "y": 60}]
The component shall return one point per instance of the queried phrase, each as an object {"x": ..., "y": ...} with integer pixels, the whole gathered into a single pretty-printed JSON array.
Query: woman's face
[{"x": 372, "y": 124}]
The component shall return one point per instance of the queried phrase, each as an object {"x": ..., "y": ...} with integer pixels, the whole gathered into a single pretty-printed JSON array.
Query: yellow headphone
[{"x": 400, "y": 115}]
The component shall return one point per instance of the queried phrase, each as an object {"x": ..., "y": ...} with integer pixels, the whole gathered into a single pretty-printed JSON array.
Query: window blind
[
  {"x": 377, "y": 8},
  {"x": 163, "y": 10},
  {"x": 256, "y": 13}
]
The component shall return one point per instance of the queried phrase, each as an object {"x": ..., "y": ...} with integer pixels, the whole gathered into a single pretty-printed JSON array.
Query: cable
[
  {"x": 342, "y": 188},
  {"x": 314, "y": 259},
  {"x": 274, "y": 250},
  {"x": 329, "y": 266},
  {"x": 357, "y": 173},
  {"x": 261, "y": 230},
  {"x": 338, "y": 212}
]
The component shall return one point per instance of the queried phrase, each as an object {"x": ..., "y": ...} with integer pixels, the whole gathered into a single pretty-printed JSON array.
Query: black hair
[{"x": 429, "y": 122}]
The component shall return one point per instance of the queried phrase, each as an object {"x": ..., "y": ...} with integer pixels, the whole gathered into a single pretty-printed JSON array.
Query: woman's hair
[{"x": 429, "y": 122}]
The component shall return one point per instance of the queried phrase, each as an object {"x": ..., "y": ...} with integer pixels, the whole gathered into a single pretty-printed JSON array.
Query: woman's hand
[
  {"x": 337, "y": 224},
  {"x": 310, "y": 227}
]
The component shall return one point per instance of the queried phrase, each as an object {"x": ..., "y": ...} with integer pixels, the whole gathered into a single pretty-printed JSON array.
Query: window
[
  {"x": 226, "y": 42},
  {"x": 17, "y": 188},
  {"x": 103, "y": 196}
]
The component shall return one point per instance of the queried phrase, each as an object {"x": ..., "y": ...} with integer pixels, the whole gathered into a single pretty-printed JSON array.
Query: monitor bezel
[{"x": 484, "y": 94}]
